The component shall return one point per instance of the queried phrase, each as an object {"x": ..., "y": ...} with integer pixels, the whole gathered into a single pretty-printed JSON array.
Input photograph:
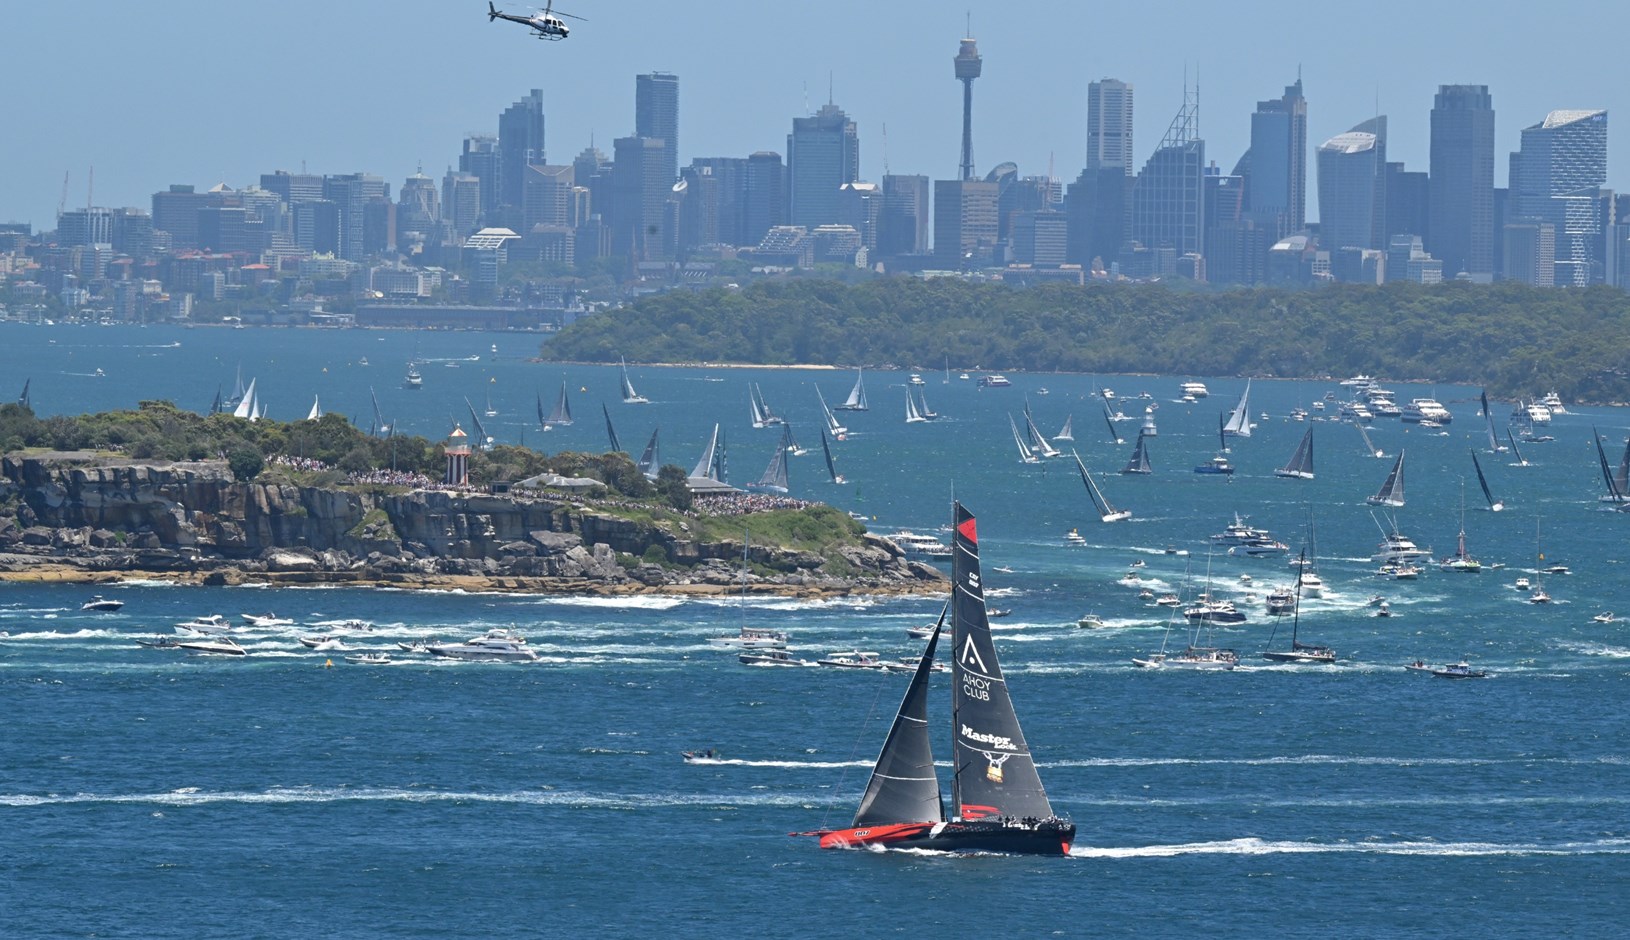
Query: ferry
[
  {"x": 1194, "y": 389},
  {"x": 1425, "y": 409},
  {"x": 913, "y": 543},
  {"x": 994, "y": 381}
]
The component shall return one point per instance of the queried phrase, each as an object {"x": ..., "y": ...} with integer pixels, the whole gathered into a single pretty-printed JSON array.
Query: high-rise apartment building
[
  {"x": 1352, "y": 197},
  {"x": 520, "y": 145},
  {"x": 823, "y": 153},
  {"x": 965, "y": 222},
  {"x": 1460, "y": 203},
  {"x": 1109, "y": 125},
  {"x": 546, "y": 196},
  {"x": 656, "y": 113},
  {"x": 1556, "y": 178},
  {"x": 461, "y": 202},
  {"x": 1276, "y": 185},
  {"x": 766, "y": 195}
]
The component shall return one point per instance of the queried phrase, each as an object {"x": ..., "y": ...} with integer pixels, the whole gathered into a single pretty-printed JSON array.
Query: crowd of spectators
[{"x": 739, "y": 504}]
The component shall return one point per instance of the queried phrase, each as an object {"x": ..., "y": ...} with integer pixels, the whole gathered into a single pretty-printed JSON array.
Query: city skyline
[{"x": 141, "y": 136}]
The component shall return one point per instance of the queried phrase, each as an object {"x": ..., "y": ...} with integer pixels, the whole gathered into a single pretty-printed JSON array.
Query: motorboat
[
  {"x": 1460, "y": 670},
  {"x": 753, "y": 638},
  {"x": 920, "y": 633},
  {"x": 994, "y": 381},
  {"x": 853, "y": 659},
  {"x": 212, "y": 625},
  {"x": 771, "y": 657},
  {"x": 915, "y": 379},
  {"x": 369, "y": 659},
  {"x": 1073, "y": 537},
  {"x": 1090, "y": 621},
  {"x": 1310, "y": 584},
  {"x": 1217, "y": 464},
  {"x": 1256, "y": 547},
  {"x": 1425, "y": 409},
  {"x": 1208, "y": 610},
  {"x": 1553, "y": 403},
  {"x": 913, "y": 543},
  {"x": 1131, "y": 578},
  {"x": 1395, "y": 547},
  {"x": 102, "y": 604},
  {"x": 267, "y": 619},
  {"x": 417, "y": 646},
  {"x": 1194, "y": 389},
  {"x": 320, "y": 641},
  {"x": 1168, "y": 600},
  {"x": 218, "y": 645},
  {"x": 909, "y": 664},
  {"x": 159, "y": 642},
  {"x": 1382, "y": 610},
  {"x": 1238, "y": 533},
  {"x": 1605, "y": 616},
  {"x": 1538, "y": 596},
  {"x": 493, "y": 646},
  {"x": 995, "y": 612},
  {"x": 1281, "y": 601}
]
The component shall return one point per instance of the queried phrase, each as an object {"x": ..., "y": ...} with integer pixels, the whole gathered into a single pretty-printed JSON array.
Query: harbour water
[{"x": 149, "y": 793}]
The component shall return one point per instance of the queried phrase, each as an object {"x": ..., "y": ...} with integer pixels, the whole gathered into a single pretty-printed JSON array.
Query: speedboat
[
  {"x": 417, "y": 646},
  {"x": 853, "y": 659},
  {"x": 915, "y": 379},
  {"x": 1605, "y": 616},
  {"x": 1521, "y": 584},
  {"x": 753, "y": 638},
  {"x": 1538, "y": 596},
  {"x": 1073, "y": 537},
  {"x": 1281, "y": 601},
  {"x": 921, "y": 633},
  {"x": 503, "y": 646},
  {"x": 770, "y": 658},
  {"x": 909, "y": 664},
  {"x": 212, "y": 625},
  {"x": 1168, "y": 600},
  {"x": 1217, "y": 464},
  {"x": 320, "y": 642},
  {"x": 1460, "y": 670},
  {"x": 157, "y": 642},
  {"x": 369, "y": 659},
  {"x": 267, "y": 619},
  {"x": 1312, "y": 584},
  {"x": 1090, "y": 621},
  {"x": 221, "y": 646},
  {"x": 995, "y": 612},
  {"x": 1382, "y": 610},
  {"x": 1194, "y": 657},
  {"x": 100, "y": 603},
  {"x": 1131, "y": 578}
]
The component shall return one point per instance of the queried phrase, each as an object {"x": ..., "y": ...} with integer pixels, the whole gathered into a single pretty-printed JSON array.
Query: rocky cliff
[{"x": 100, "y": 515}]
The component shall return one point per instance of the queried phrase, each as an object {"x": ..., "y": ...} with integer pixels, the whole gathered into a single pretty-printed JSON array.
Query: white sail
[
  {"x": 1025, "y": 456},
  {"x": 630, "y": 397},
  {"x": 1239, "y": 420},
  {"x": 927, "y": 413},
  {"x": 837, "y": 430},
  {"x": 913, "y": 416},
  {"x": 316, "y": 409},
  {"x": 1064, "y": 433},
  {"x": 774, "y": 479},
  {"x": 1369, "y": 445},
  {"x": 246, "y": 404},
  {"x": 857, "y": 395}
]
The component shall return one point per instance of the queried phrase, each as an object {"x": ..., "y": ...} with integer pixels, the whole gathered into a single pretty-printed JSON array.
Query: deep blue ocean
[{"x": 146, "y": 793}]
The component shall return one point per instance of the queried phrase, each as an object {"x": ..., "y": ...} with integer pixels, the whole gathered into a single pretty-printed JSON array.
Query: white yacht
[
  {"x": 504, "y": 646},
  {"x": 753, "y": 638},
  {"x": 265, "y": 620},
  {"x": 212, "y": 625},
  {"x": 1396, "y": 547},
  {"x": 913, "y": 543},
  {"x": 1425, "y": 409},
  {"x": 1553, "y": 403},
  {"x": 102, "y": 604},
  {"x": 1194, "y": 389},
  {"x": 1194, "y": 657},
  {"x": 1311, "y": 584},
  {"x": 771, "y": 658},
  {"x": 221, "y": 646},
  {"x": 853, "y": 659}
]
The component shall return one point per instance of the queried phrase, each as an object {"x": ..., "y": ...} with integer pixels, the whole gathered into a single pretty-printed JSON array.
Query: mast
[
  {"x": 1514, "y": 451},
  {"x": 1109, "y": 420}
]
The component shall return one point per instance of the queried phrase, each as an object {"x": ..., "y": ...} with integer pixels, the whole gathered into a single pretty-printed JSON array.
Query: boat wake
[
  {"x": 1268, "y": 847},
  {"x": 786, "y": 764},
  {"x": 193, "y": 796}
]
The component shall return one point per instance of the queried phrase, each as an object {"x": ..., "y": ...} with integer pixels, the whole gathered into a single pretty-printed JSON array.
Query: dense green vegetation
[
  {"x": 158, "y": 429},
  {"x": 1515, "y": 340}
]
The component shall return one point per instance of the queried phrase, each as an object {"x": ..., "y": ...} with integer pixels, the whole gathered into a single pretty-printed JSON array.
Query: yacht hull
[{"x": 1012, "y": 836}]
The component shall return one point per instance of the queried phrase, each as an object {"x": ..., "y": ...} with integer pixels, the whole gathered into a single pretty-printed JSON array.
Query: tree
[
  {"x": 246, "y": 463},
  {"x": 670, "y": 483}
]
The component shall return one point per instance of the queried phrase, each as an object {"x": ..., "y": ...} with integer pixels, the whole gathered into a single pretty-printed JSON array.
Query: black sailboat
[
  {"x": 1109, "y": 419},
  {"x": 774, "y": 479},
  {"x": 1105, "y": 511},
  {"x": 651, "y": 461},
  {"x": 1139, "y": 461},
  {"x": 611, "y": 432},
  {"x": 1516, "y": 453},
  {"x": 1391, "y": 492},
  {"x": 997, "y": 800},
  {"x": 1495, "y": 505},
  {"x": 831, "y": 467},
  {"x": 562, "y": 415},
  {"x": 1301, "y": 462},
  {"x": 1615, "y": 487},
  {"x": 1299, "y": 652}
]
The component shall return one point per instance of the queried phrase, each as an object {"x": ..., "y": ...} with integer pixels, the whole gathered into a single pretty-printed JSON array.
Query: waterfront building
[{"x": 1461, "y": 196}]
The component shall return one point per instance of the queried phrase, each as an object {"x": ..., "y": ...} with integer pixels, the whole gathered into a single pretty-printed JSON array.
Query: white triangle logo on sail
[{"x": 970, "y": 656}]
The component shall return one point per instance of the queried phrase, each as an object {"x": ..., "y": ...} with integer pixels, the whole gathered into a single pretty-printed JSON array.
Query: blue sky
[{"x": 189, "y": 91}]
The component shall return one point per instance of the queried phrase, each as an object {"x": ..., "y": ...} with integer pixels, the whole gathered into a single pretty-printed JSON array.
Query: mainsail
[
  {"x": 774, "y": 479},
  {"x": 708, "y": 465},
  {"x": 994, "y": 774},
  {"x": 927, "y": 413},
  {"x": 1495, "y": 446},
  {"x": 482, "y": 439},
  {"x": 1495, "y": 505},
  {"x": 650, "y": 461},
  {"x": 1025, "y": 456},
  {"x": 1064, "y": 433},
  {"x": 904, "y": 786},
  {"x": 611, "y": 432},
  {"x": 1301, "y": 462},
  {"x": 1139, "y": 461},
  {"x": 1109, "y": 420},
  {"x": 913, "y": 416},
  {"x": 380, "y": 427},
  {"x": 1239, "y": 420},
  {"x": 1615, "y": 492},
  {"x": 857, "y": 395},
  {"x": 1038, "y": 441},
  {"x": 1514, "y": 451},
  {"x": 832, "y": 425},
  {"x": 1106, "y": 512},
  {"x": 630, "y": 397},
  {"x": 1392, "y": 491},
  {"x": 316, "y": 409},
  {"x": 1622, "y": 478},
  {"x": 246, "y": 404},
  {"x": 763, "y": 417},
  {"x": 24, "y": 401},
  {"x": 1369, "y": 445}
]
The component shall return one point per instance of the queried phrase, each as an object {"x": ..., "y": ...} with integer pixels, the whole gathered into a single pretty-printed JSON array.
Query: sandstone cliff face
[{"x": 192, "y": 516}]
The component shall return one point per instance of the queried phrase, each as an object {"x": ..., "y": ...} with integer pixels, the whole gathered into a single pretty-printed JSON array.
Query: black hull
[{"x": 1013, "y": 837}]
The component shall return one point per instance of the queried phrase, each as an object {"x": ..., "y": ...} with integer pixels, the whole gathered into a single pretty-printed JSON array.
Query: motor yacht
[
  {"x": 1194, "y": 389},
  {"x": 853, "y": 659},
  {"x": 218, "y": 645},
  {"x": 267, "y": 619},
  {"x": 1208, "y": 610},
  {"x": 1281, "y": 601},
  {"x": 916, "y": 544},
  {"x": 493, "y": 646},
  {"x": 1090, "y": 621},
  {"x": 770, "y": 658},
  {"x": 101, "y": 604},
  {"x": 212, "y": 625},
  {"x": 1396, "y": 547}
]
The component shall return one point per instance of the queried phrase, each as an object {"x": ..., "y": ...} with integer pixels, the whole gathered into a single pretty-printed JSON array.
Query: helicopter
[{"x": 546, "y": 23}]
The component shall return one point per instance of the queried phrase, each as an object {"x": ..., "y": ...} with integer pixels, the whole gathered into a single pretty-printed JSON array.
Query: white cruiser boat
[
  {"x": 1194, "y": 657},
  {"x": 1396, "y": 547},
  {"x": 220, "y": 646},
  {"x": 267, "y": 619},
  {"x": 103, "y": 604},
  {"x": 1194, "y": 389},
  {"x": 994, "y": 381},
  {"x": 913, "y": 543},
  {"x": 1425, "y": 409},
  {"x": 369, "y": 659},
  {"x": 212, "y": 625},
  {"x": 503, "y": 646},
  {"x": 771, "y": 658},
  {"x": 753, "y": 638},
  {"x": 853, "y": 659},
  {"x": 1553, "y": 403}
]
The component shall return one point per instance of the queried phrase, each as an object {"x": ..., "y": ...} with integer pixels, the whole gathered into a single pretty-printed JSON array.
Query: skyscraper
[
  {"x": 823, "y": 153},
  {"x": 656, "y": 113},
  {"x": 1109, "y": 125},
  {"x": 1276, "y": 187},
  {"x": 1460, "y": 203},
  {"x": 968, "y": 67},
  {"x": 1352, "y": 200},
  {"x": 903, "y": 229},
  {"x": 1556, "y": 178},
  {"x": 766, "y": 195},
  {"x": 520, "y": 145},
  {"x": 640, "y": 188},
  {"x": 480, "y": 160},
  {"x": 1168, "y": 205}
]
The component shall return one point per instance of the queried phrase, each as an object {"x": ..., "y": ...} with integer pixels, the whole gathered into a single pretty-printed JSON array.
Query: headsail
[
  {"x": 994, "y": 772},
  {"x": 630, "y": 397},
  {"x": 1495, "y": 505},
  {"x": 913, "y": 416},
  {"x": 705, "y": 467},
  {"x": 246, "y": 404},
  {"x": 1369, "y": 445},
  {"x": 1495, "y": 446},
  {"x": 832, "y": 425},
  {"x": 24, "y": 401},
  {"x": 1064, "y": 433},
  {"x": 904, "y": 786},
  {"x": 562, "y": 415},
  {"x": 774, "y": 479},
  {"x": 831, "y": 467},
  {"x": 1391, "y": 492},
  {"x": 1106, "y": 512},
  {"x": 316, "y": 409},
  {"x": 1025, "y": 456},
  {"x": 1038, "y": 441}
]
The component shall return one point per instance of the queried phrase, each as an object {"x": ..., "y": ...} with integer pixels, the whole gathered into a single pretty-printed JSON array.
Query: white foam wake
[{"x": 1271, "y": 847}]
